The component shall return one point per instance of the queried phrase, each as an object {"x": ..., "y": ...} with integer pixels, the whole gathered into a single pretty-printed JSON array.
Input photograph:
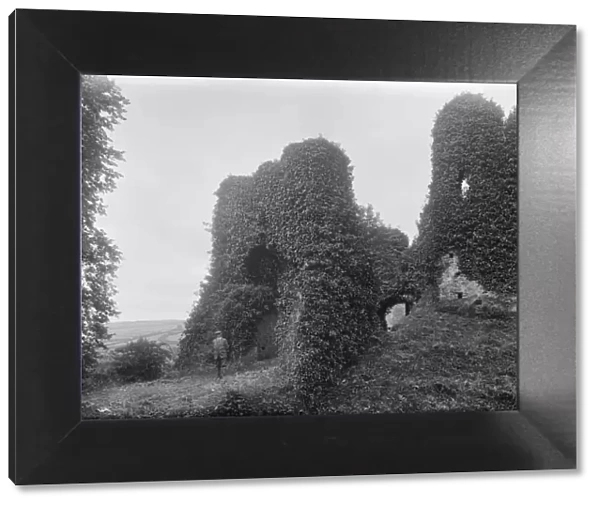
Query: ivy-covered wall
[
  {"x": 290, "y": 238},
  {"x": 472, "y": 202}
]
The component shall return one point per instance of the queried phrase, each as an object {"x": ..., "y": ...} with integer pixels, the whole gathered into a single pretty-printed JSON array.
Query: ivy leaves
[
  {"x": 302, "y": 211},
  {"x": 472, "y": 144}
]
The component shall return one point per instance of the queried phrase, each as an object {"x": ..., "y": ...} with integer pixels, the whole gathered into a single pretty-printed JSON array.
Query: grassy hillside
[
  {"x": 164, "y": 331},
  {"x": 435, "y": 361}
]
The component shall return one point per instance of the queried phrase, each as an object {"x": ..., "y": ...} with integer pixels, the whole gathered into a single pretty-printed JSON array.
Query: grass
[
  {"x": 435, "y": 361},
  {"x": 187, "y": 396}
]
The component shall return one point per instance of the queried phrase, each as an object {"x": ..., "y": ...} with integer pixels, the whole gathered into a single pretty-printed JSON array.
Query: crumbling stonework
[{"x": 454, "y": 285}]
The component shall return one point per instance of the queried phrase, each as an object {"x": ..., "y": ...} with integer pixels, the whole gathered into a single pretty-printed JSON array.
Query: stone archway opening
[
  {"x": 387, "y": 305},
  {"x": 395, "y": 315}
]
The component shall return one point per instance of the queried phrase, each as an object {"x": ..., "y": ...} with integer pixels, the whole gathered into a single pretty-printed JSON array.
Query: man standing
[{"x": 220, "y": 346}]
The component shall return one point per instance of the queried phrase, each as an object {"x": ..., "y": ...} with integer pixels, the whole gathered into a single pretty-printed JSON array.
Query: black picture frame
[{"x": 49, "y": 443}]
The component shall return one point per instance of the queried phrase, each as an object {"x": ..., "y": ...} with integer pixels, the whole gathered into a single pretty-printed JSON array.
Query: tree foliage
[
  {"x": 103, "y": 107},
  {"x": 471, "y": 208}
]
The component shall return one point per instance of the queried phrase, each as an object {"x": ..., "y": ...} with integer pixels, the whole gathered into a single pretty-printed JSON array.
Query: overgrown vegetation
[
  {"x": 437, "y": 360},
  {"x": 293, "y": 229},
  {"x": 472, "y": 203}
]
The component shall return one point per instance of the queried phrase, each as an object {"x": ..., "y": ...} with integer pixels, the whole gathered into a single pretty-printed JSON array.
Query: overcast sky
[{"x": 183, "y": 136}]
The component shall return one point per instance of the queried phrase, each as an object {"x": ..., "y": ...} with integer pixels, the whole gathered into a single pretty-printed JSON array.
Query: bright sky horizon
[{"x": 182, "y": 136}]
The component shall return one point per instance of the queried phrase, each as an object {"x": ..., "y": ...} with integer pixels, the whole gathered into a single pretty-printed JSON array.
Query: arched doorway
[{"x": 386, "y": 305}]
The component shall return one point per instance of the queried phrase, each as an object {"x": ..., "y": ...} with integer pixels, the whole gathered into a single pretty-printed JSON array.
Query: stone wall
[{"x": 454, "y": 284}]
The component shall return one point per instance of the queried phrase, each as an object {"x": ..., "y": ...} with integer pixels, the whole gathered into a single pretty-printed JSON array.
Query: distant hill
[{"x": 165, "y": 331}]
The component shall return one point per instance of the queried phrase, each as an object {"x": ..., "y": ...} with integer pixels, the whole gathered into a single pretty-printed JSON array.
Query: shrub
[{"x": 141, "y": 360}]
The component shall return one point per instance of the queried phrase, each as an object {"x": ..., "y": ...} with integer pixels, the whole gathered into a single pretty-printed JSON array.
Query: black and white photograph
[
  {"x": 258, "y": 247},
  {"x": 263, "y": 245}
]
